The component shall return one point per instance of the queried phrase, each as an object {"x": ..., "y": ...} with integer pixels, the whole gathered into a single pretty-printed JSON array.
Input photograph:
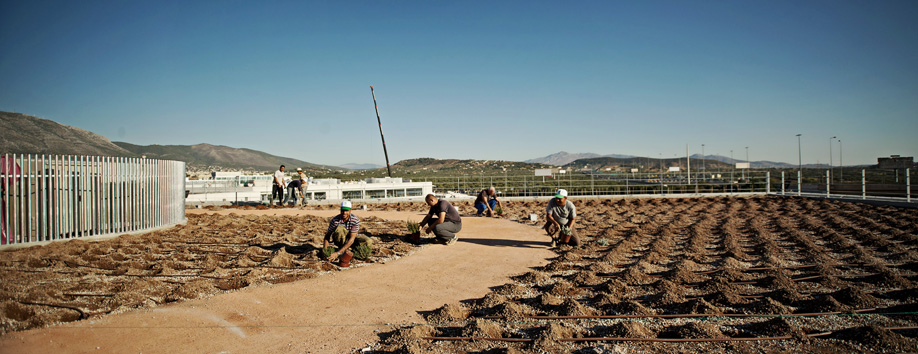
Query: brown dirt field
[
  {"x": 768, "y": 259},
  {"x": 284, "y": 303}
]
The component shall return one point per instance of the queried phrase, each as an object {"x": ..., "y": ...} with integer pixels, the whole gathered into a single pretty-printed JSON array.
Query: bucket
[
  {"x": 565, "y": 238},
  {"x": 345, "y": 260},
  {"x": 415, "y": 237}
]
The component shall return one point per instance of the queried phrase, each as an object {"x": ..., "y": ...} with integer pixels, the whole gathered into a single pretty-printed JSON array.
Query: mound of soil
[
  {"x": 878, "y": 339},
  {"x": 693, "y": 330},
  {"x": 776, "y": 327},
  {"x": 449, "y": 313}
]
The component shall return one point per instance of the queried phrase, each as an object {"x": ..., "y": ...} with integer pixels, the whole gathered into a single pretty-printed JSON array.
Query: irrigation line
[
  {"x": 620, "y": 339},
  {"x": 860, "y": 312}
]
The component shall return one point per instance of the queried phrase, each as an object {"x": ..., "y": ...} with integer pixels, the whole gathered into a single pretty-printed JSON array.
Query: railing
[
  {"x": 605, "y": 184},
  {"x": 865, "y": 185},
  {"x": 53, "y": 197}
]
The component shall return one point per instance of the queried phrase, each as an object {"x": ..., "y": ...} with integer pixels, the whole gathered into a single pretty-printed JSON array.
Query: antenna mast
[{"x": 389, "y": 170}]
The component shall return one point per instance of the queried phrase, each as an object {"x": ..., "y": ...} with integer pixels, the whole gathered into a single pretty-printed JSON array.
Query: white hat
[
  {"x": 561, "y": 193},
  {"x": 299, "y": 169},
  {"x": 346, "y": 205}
]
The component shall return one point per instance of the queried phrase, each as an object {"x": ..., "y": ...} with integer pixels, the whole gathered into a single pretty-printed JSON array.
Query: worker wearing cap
[
  {"x": 342, "y": 232},
  {"x": 443, "y": 220},
  {"x": 560, "y": 213}
]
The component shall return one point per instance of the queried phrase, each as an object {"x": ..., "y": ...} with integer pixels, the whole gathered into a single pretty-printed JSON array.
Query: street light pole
[
  {"x": 799, "y": 155},
  {"x": 703, "y": 169},
  {"x": 747, "y": 161},
  {"x": 830, "y": 157},
  {"x": 733, "y": 162},
  {"x": 841, "y": 165}
]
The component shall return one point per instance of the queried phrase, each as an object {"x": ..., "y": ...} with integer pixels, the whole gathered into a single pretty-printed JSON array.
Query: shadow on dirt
[
  {"x": 301, "y": 249},
  {"x": 507, "y": 243}
]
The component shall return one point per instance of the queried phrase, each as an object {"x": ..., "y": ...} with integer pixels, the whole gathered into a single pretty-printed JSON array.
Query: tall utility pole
[{"x": 388, "y": 170}]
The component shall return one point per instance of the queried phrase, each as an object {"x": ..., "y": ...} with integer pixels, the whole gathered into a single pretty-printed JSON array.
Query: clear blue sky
[{"x": 505, "y": 80}]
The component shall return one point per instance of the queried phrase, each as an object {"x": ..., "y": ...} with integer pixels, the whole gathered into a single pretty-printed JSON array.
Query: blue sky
[{"x": 505, "y": 80}]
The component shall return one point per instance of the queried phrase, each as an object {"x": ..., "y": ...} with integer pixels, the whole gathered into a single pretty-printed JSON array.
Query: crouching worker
[
  {"x": 487, "y": 200},
  {"x": 342, "y": 232},
  {"x": 561, "y": 214},
  {"x": 442, "y": 219}
]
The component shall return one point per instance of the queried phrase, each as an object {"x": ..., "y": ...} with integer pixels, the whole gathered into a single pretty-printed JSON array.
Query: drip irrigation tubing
[
  {"x": 620, "y": 339},
  {"x": 859, "y": 312}
]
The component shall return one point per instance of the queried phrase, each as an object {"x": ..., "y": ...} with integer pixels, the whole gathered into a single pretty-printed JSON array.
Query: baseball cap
[
  {"x": 561, "y": 193},
  {"x": 346, "y": 205},
  {"x": 299, "y": 169}
]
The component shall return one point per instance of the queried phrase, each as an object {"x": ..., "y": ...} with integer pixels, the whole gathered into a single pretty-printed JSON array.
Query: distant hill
[
  {"x": 644, "y": 164},
  {"x": 563, "y": 158},
  {"x": 207, "y": 156},
  {"x": 361, "y": 166},
  {"x": 25, "y": 134},
  {"x": 460, "y": 167}
]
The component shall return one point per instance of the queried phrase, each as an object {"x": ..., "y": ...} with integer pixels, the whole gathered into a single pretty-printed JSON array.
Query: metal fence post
[
  {"x": 864, "y": 184},
  {"x": 828, "y": 183},
  {"x": 768, "y": 182},
  {"x": 782, "y": 182},
  {"x": 799, "y": 182},
  {"x": 908, "y": 185}
]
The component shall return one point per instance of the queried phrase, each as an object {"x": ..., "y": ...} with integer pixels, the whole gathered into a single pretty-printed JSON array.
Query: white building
[{"x": 229, "y": 188}]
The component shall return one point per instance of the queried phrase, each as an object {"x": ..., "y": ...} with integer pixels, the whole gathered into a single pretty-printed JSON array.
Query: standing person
[
  {"x": 560, "y": 215},
  {"x": 442, "y": 219},
  {"x": 342, "y": 232},
  {"x": 305, "y": 183},
  {"x": 277, "y": 190},
  {"x": 487, "y": 199}
]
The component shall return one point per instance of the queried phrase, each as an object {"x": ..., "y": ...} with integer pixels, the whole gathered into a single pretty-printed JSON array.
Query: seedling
[
  {"x": 499, "y": 211},
  {"x": 327, "y": 251},
  {"x": 602, "y": 242},
  {"x": 413, "y": 227},
  {"x": 362, "y": 252},
  {"x": 565, "y": 230}
]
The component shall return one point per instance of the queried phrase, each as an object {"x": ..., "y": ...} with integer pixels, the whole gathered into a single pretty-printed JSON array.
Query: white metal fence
[
  {"x": 604, "y": 184},
  {"x": 55, "y": 197}
]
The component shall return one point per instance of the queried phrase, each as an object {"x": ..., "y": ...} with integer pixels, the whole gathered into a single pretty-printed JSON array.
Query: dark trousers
[
  {"x": 551, "y": 229},
  {"x": 277, "y": 193}
]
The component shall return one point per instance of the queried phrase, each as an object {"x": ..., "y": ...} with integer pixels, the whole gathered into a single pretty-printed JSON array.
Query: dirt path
[{"x": 334, "y": 313}]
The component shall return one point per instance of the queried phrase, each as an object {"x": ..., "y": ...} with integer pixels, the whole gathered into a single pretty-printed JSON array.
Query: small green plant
[
  {"x": 565, "y": 230},
  {"x": 602, "y": 242},
  {"x": 362, "y": 251},
  {"x": 413, "y": 227},
  {"x": 327, "y": 251},
  {"x": 499, "y": 211}
]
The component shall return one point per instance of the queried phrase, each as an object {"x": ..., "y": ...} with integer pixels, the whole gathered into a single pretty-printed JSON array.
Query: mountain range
[
  {"x": 32, "y": 135},
  {"x": 25, "y": 134},
  {"x": 563, "y": 158}
]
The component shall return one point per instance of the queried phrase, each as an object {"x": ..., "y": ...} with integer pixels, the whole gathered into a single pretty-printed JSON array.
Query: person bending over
[{"x": 442, "y": 219}]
